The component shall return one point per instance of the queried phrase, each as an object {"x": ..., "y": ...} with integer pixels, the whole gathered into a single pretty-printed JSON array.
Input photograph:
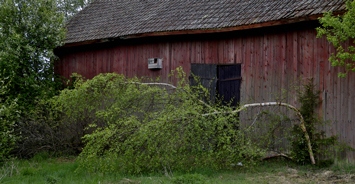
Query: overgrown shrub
[
  {"x": 43, "y": 129},
  {"x": 9, "y": 114},
  {"x": 143, "y": 128}
]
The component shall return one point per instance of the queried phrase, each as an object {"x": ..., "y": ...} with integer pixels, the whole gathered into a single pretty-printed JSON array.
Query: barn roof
[{"x": 104, "y": 19}]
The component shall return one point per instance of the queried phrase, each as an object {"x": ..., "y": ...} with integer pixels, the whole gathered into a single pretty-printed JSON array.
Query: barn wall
[{"x": 272, "y": 59}]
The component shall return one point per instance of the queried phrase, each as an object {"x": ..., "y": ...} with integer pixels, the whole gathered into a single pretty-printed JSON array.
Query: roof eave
[{"x": 201, "y": 31}]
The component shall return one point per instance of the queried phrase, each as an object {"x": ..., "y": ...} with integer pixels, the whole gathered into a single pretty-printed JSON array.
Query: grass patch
[{"x": 62, "y": 170}]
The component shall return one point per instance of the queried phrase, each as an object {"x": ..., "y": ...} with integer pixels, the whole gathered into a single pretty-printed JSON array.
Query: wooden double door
[{"x": 222, "y": 81}]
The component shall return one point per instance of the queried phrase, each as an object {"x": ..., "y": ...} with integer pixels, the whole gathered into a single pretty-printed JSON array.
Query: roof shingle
[{"x": 115, "y": 18}]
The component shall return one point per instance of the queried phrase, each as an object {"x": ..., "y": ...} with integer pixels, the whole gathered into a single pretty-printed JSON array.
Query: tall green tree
[
  {"x": 339, "y": 29},
  {"x": 29, "y": 31}
]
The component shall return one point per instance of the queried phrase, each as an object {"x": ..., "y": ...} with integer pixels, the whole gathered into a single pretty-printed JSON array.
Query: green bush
[
  {"x": 143, "y": 128},
  {"x": 8, "y": 117}
]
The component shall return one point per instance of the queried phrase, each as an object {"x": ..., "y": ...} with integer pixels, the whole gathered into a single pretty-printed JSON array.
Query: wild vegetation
[
  {"x": 29, "y": 32},
  {"x": 136, "y": 127}
]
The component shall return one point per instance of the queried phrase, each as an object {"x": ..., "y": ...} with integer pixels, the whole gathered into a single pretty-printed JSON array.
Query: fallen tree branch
[
  {"x": 276, "y": 155},
  {"x": 303, "y": 127}
]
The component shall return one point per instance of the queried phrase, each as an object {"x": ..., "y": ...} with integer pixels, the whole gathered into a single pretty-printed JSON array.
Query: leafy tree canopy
[
  {"x": 338, "y": 30},
  {"x": 29, "y": 31}
]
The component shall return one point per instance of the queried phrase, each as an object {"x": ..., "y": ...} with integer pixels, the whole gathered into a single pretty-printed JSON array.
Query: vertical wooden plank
[
  {"x": 261, "y": 68},
  {"x": 193, "y": 51},
  {"x": 338, "y": 107},
  {"x": 88, "y": 64},
  {"x": 274, "y": 66},
  {"x": 71, "y": 67},
  {"x": 251, "y": 53},
  {"x": 99, "y": 62},
  {"x": 309, "y": 52},
  {"x": 334, "y": 84},
  {"x": 105, "y": 60},
  {"x": 115, "y": 62},
  {"x": 116, "y": 59},
  {"x": 330, "y": 92},
  {"x": 301, "y": 44},
  {"x": 111, "y": 60},
  {"x": 94, "y": 64},
  {"x": 228, "y": 55},
  {"x": 269, "y": 69},
  {"x": 81, "y": 62},
  {"x": 221, "y": 59},
  {"x": 185, "y": 56},
  {"x": 258, "y": 68},
  {"x": 179, "y": 52},
  {"x": 165, "y": 52},
  {"x": 266, "y": 66},
  {"x": 345, "y": 100},
  {"x": 247, "y": 67},
  {"x": 244, "y": 72},
  {"x": 155, "y": 52},
  {"x": 320, "y": 73},
  {"x": 213, "y": 54},
  {"x": 283, "y": 86},
  {"x": 204, "y": 51},
  {"x": 151, "y": 53},
  {"x": 351, "y": 108},
  {"x": 132, "y": 64},
  {"x": 295, "y": 66},
  {"x": 75, "y": 63},
  {"x": 198, "y": 52},
  {"x": 284, "y": 82},
  {"x": 64, "y": 66},
  {"x": 238, "y": 48},
  {"x": 175, "y": 48},
  {"x": 289, "y": 67},
  {"x": 238, "y": 53},
  {"x": 315, "y": 64},
  {"x": 142, "y": 54}
]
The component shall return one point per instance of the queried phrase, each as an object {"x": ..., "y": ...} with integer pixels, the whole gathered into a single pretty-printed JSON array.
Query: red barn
[{"x": 262, "y": 45}]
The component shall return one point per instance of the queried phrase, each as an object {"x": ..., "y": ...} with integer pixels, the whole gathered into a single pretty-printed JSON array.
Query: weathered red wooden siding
[{"x": 271, "y": 61}]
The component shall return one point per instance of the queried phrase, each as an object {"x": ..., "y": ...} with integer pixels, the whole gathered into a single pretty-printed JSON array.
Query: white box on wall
[{"x": 155, "y": 63}]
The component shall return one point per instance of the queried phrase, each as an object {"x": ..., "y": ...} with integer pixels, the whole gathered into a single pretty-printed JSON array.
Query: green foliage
[
  {"x": 29, "y": 31},
  {"x": 308, "y": 97},
  {"x": 143, "y": 128},
  {"x": 8, "y": 116},
  {"x": 46, "y": 131},
  {"x": 338, "y": 30}
]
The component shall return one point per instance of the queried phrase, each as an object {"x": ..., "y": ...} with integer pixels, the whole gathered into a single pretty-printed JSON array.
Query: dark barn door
[
  {"x": 223, "y": 80},
  {"x": 228, "y": 84},
  {"x": 207, "y": 73}
]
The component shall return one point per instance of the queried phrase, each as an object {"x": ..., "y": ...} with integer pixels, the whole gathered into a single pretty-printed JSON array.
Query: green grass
[{"x": 42, "y": 169}]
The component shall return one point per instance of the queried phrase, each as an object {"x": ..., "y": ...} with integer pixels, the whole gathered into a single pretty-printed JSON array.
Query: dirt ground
[{"x": 294, "y": 176}]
